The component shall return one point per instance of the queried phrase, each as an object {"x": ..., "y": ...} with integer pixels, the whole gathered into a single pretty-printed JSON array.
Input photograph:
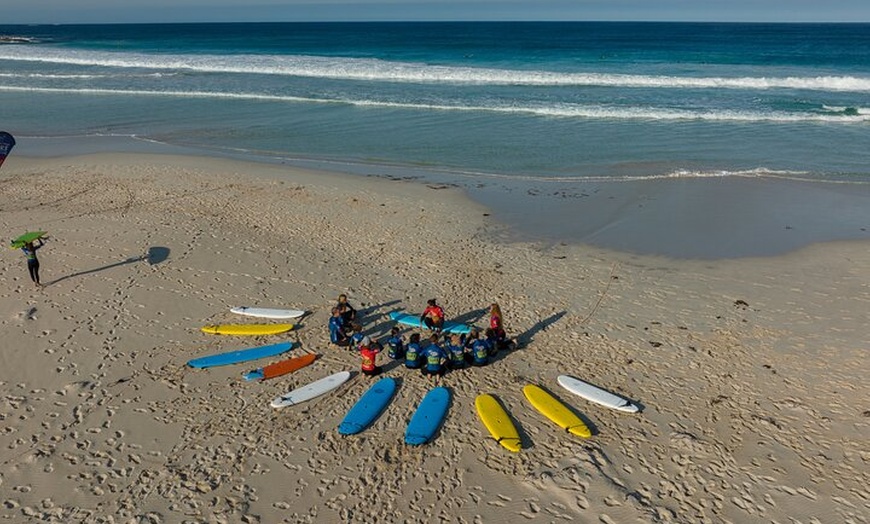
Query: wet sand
[{"x": 689, "y": 218}]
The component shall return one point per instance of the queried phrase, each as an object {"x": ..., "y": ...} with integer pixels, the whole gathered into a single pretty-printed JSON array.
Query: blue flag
[{"x": 7, "y": 142}]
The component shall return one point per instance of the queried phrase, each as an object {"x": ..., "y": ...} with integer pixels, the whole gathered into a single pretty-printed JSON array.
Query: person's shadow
[
  {"x": 470, "y": 317},
  {"x": 525, "y": 338},
  {"x": 370, "y": 310},
  {"x": 155, "y": 256}
]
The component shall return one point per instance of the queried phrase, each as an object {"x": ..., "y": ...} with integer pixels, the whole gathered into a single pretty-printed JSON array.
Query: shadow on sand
[
  {"x": 525, "y": 338},
  {"x": 131, "y": 260},
  {"x": 154, "y": 256},
  {"x": 470, "y": 317},
  {"x": 366, "y": 311},
  {"x": 157, "y": 255}
]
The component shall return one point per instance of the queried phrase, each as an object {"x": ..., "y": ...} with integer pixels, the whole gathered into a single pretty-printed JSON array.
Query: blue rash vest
[
  {"x": 397, "y": 347},
  {"x": 457, "y": 354},
  {"x": 412, "y": 355},
  {"x": 336, "y": 329},
  {"x": 433, "y": 355},
  {"x": 480, "y": 351},
  {"x": 30, "y": 254}
]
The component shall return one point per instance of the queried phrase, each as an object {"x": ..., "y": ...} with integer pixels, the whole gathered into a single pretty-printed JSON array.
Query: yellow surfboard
[
  {"x": 497, "y": 421},
  {"x": 247, "y": 329},
  {"x": 553, "y": 409}
]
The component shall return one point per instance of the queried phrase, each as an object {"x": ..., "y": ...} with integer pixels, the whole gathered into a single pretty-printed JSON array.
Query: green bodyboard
[{"x": 30, "y": 236}]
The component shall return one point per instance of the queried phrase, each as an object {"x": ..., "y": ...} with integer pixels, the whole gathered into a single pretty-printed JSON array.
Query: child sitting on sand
[
  {"x": 496, "y": 343},
  {"x": 356, "y": 335},
  {"x": 457, "y": 352},
  {"x": 348, "y": 313},
  {"x": 369, "y": 350},
  {"x": 435, "y": 358},
  {"x": 413, "y": 352},
  {"x": 497, "y": 325},
  {"x": 480, "y": 349},
  {"x": 336, "y": 329},
  {"x": 396, "y": 344}
]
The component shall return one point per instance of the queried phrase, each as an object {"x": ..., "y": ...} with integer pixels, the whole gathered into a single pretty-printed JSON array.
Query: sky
[{"x": 133, "y": 11}]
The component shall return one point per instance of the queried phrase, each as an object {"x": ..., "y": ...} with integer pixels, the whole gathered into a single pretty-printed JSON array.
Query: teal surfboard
[
  {"x": 244, "y": 355},
  {"x": 368, "y": 407},
  {"x": 428, "y": 417},
  {"x": 414, "y": 321}
]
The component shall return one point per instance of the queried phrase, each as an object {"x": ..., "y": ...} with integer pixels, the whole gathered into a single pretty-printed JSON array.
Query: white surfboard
[
  {"x": 315, "y": 389},
  {"x": 596, "y": 394},
  {"x": 265, "y": 312}
]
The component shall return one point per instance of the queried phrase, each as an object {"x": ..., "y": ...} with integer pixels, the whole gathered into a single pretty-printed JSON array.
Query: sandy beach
[{"x": 751, "y": 372}]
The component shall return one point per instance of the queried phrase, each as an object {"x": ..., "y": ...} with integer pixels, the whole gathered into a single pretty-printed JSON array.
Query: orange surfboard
[{"x": 281, "y": 368}]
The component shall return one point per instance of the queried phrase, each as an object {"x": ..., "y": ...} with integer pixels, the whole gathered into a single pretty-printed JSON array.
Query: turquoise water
[{"x": 508, "y": 108}]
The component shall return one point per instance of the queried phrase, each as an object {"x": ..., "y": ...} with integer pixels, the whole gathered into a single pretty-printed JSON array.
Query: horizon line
[{"x": 447, "y": 21}]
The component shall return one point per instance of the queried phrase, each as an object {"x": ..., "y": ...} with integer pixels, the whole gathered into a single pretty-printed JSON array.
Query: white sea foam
[
  {"x": 687, "y": 174},
  {"x": 558, "y": 110},
  {"x": 364, "y": 69},
  {"x": 760, "y": 172},
  {"x": 847, "y": 110},
  {"x": 71, "y": 76}
]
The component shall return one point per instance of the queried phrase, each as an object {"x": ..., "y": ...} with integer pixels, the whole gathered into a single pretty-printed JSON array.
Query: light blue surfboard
[
  {"x": 414, "y": 321},
  {"x": 428, "y": 417},
  {"x": 368, "y": 407},
  {"x": 244, "y": 355}
]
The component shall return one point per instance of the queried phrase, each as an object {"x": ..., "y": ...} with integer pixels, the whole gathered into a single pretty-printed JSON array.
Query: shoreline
[
  {"x": 704, "y": 218},
  {"x": 104, "y": 420}
]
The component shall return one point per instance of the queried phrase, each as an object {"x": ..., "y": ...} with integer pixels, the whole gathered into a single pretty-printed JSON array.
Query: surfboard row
[
  {"x": 256, "y": 329},
  {"x": 503, "y": 429},
  {"x": 432, "y": 410},
  {"x": 255, "y": 353},
  {"x": 424, "y": 423}
]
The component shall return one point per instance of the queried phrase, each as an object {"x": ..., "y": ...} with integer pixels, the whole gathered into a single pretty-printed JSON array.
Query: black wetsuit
[{"x": 32, "y": 261}]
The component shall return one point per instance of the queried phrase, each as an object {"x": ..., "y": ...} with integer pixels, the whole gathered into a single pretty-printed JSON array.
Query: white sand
[{"x": 752, "y": 373}]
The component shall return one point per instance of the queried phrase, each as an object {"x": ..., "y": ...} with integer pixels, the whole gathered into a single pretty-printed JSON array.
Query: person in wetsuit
[{"x": 29, "y": 250}]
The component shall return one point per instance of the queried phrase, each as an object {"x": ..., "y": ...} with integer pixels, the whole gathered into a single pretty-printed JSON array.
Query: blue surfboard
[
  {"x": 368, "y": 407},
  {"x": 414, "y": 321},
  {"x": 244, "y": 355},
  {"x": 428, "y": 417}
]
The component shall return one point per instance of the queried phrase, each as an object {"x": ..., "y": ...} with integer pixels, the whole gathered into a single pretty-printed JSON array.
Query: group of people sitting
[{"x": 434, "y": 356}]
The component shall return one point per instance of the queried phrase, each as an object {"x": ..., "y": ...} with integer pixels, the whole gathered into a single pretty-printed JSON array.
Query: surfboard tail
[
  {"x": 580, "y": 431},
  {"x": 511, "y": 443},
  {"x": 415, "y": 440},
  {"x": 349, "y": 428}
]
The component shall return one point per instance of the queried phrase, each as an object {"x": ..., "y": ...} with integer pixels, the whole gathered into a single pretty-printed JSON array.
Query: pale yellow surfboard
[
  {"x": 553, "y": 409},
  {"x": 497, "y": 421},
  {"x": 247, "y": 329}
]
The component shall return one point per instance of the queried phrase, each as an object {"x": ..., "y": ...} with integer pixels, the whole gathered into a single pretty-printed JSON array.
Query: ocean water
[{"x": 536, "y": 120}]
